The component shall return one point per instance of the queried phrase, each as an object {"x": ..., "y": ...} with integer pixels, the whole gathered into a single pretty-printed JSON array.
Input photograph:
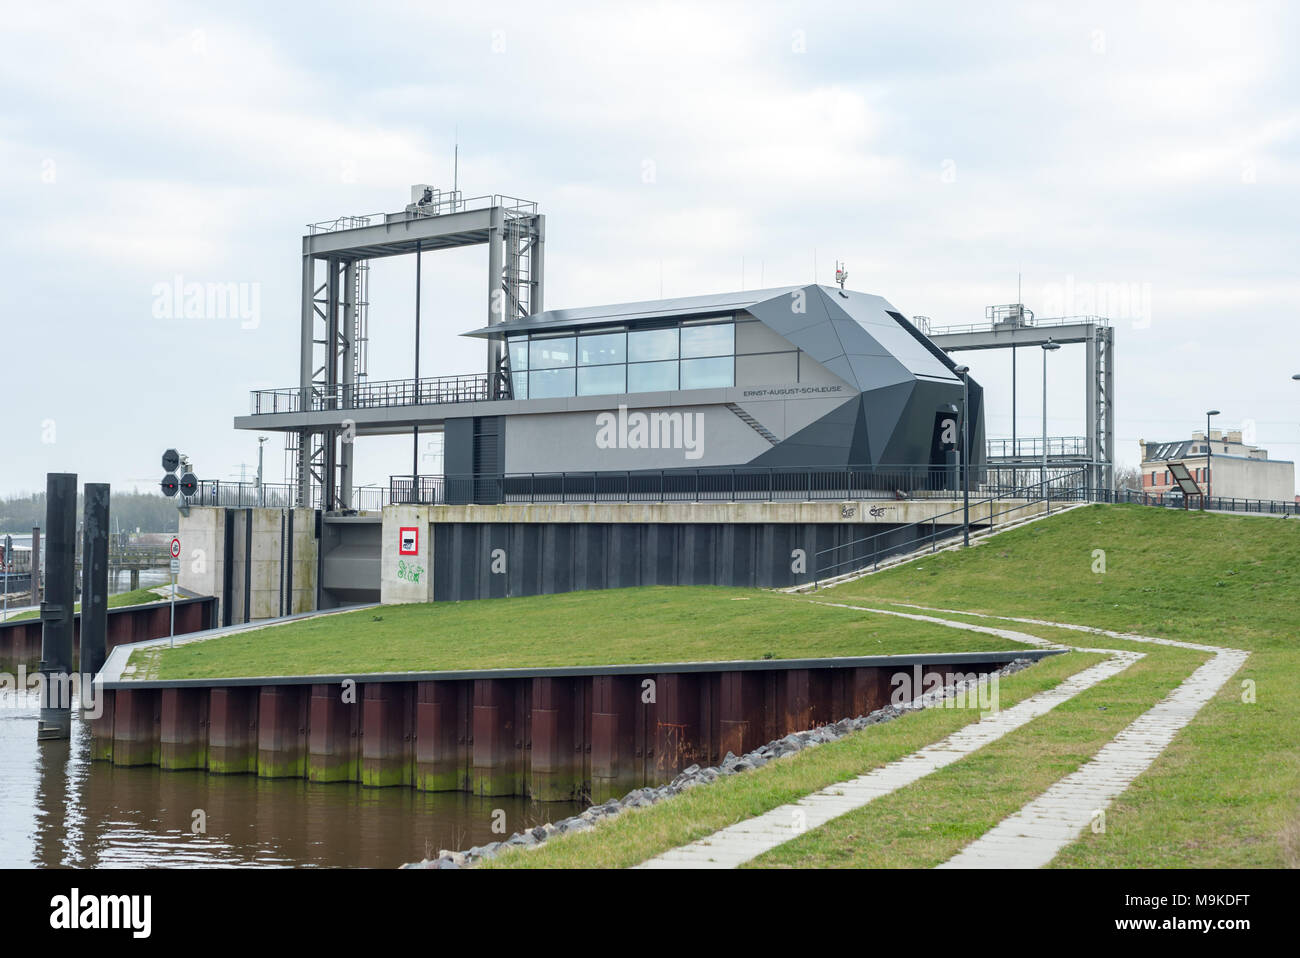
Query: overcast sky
[{"x": 1146, "y": 153}]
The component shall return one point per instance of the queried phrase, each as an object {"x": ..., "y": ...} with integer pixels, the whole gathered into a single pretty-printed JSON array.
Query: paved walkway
[
  {"x": 1032, "y": 836},
  {"x": 746, "y": 840}
]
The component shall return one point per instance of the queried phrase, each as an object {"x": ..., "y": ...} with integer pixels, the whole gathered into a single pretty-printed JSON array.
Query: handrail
[
  {"x": 933, "y": 522},
  {"x": 448, "y": 198}
]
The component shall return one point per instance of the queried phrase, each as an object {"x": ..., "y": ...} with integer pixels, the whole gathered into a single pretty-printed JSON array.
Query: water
[{"x": 57, "y": 808}]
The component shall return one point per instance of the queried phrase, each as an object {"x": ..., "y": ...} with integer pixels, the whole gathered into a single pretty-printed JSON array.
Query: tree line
[{"x": 127, "y": 512}]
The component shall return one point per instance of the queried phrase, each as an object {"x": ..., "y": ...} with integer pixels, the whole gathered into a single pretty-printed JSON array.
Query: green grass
[
  {"x": 930, "y": 821},
  {"x": 624, "y": 626},
  {"x": 134, "y": 597},
  {"x": 637, "y": 835},
  {"x": 1226, "y": 793}
]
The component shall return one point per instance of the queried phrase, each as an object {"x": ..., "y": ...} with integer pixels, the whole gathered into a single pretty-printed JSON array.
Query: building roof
[
  {"x": 1162, "y": 451},
  {"x": 858, "y": 336},
  {"x": 577, "y": 317}
]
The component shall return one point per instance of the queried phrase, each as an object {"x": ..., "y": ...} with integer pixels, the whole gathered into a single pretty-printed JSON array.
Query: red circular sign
[{"x": 176, "y": 548}]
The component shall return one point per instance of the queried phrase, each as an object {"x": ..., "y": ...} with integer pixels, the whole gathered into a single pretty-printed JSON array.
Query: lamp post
[
  {"x": 963, "y": 372},
  {"x": 1048, "y": 347},
  {"x": 1209, "y": 451}
]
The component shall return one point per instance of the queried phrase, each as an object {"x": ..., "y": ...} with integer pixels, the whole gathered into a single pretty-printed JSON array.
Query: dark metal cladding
[{"x": 94, "y": 579}]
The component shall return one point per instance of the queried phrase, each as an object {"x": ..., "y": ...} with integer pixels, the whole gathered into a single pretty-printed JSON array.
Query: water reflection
[{"x": 57, "y": 808}]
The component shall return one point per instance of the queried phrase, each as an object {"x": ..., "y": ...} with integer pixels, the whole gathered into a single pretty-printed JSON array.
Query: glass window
[
  {"x": 551, "y": 353},
  {"x": 519, "y": 382},
  {"x": 601, "y": 380},
  {"x": 550, "y": 383},
  {"x": 646, "y": 345},
  {"x": 651, "y": 377},
  {"x": 519, "y": 353},
  {"x": 603, "y": 349},
  {"x": 707, "y": 373},
  {"x": 715, "y": 340}
]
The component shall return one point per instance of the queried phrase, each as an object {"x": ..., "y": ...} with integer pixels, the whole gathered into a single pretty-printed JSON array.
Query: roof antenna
[
  {"x": 841, "y": 273},
  {"x": 455, "y": 161}
]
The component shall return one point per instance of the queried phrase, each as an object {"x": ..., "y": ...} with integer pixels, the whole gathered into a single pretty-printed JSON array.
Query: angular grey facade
[{"x": 801, "y": 378}]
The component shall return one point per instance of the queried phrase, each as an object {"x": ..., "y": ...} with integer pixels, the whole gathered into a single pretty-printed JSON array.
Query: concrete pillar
[{"x": 406, "y": 577}]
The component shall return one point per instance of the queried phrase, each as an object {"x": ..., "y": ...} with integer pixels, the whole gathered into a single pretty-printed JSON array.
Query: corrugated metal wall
[{"x": 539, "y": 559}]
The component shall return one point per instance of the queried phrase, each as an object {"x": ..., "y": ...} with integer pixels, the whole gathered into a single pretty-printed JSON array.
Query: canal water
[{"x": 57, "y": 808}]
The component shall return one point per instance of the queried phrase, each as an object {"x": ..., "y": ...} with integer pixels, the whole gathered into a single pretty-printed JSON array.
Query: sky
[{"x": 1132, "y": 160}]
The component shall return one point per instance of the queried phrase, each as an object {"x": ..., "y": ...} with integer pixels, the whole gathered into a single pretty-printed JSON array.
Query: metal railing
[
  {"x": 1027, "y": 447},
  {"x": 1029, "y": 323},
  {"x": 242, "y": 495},
  {"x": 722, "y": 484},
  {"x": 277, "y": 495},
  {"x": 474, "y": 387},
  {"x": 1223, "y": 503},
  {"x": 443, "y": 202},
  {"x": 868, "y": 551}
]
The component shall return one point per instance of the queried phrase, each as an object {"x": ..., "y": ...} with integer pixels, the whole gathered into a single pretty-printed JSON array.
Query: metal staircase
[{"x": 753, "y": 423}]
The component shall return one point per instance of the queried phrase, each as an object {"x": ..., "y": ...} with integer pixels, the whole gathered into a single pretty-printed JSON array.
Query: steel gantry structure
[
  {"x": 1013, "y": 326},
  {"x": 334, "y": 320}
]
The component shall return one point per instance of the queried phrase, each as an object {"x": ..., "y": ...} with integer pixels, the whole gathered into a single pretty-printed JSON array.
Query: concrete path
[
  {"x": 1037, "y": 833},
  {"x": 746, "y": 840},
  {"x": 1031, "y": 837}
]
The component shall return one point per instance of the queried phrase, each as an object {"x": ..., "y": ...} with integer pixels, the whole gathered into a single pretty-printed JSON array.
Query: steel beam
[
  {"x": 1003, "y": 338},
  {"x": 400, "y": 232}
]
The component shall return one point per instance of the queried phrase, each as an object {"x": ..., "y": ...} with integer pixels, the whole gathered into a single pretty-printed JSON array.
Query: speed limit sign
[{"x": 176, "y": 547}]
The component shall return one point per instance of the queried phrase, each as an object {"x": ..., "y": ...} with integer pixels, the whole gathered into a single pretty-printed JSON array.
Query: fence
[
  {"x": 739, "y": 484},
  {"x": 868, "y": 551},
  {"x": 1222, "y": 503}
]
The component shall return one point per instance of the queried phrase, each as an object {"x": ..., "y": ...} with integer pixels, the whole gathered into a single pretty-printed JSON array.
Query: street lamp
[
  {"x": 1209, "y": 450},
  {"x": 963, "y": 372},
  {"x": 1048, "y": 347}
]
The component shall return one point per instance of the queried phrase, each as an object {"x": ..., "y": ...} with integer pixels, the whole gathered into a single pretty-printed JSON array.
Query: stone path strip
[
  {"x": 739, "y": 843},
  {"x": 1032, "y": 836}
]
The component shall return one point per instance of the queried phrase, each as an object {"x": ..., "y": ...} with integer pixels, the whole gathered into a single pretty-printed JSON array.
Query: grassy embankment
[
  {"x": 134, "y": 597},
  {"x": 1225, "y": 793},
  {"x": 622, "y": 626}
]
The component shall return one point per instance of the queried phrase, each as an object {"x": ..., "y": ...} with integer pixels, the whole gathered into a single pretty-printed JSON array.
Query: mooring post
[
  {"x": 36, "y": 565},
  {"x": 94, "y": 581},
  {"x": 56, "y": 610}
]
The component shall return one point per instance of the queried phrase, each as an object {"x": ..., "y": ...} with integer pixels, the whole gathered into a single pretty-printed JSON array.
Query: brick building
[{"x": 1229, "y": 468}]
